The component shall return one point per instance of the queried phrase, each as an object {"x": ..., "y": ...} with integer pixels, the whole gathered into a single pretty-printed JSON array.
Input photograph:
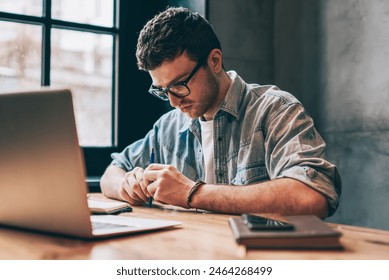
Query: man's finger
[
  {"x": 156, "y": 166},
  {"x": 141, "y": 189},
  {"x": 151, "y": 175},
  {"x": 125, "y": 196},
  {"x": 133, "y": 188}
]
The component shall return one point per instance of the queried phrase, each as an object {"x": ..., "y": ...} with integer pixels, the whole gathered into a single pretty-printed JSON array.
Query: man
[{"x": 254, "y": 148}]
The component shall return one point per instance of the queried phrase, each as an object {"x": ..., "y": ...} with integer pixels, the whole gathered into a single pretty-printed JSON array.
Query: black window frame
[
  {"x": 47, "y": 23},
  {"x": 131, "y": 102}
]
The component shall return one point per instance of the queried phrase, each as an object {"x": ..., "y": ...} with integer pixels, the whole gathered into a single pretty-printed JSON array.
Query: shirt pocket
[
  {"x": 250, "y": 174},
  {"x": 180, "y": 158},
  {"x": 248, "y": 161}
]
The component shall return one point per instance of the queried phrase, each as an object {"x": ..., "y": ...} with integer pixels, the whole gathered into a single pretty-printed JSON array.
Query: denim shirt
[{"x": 260, "y": 133}]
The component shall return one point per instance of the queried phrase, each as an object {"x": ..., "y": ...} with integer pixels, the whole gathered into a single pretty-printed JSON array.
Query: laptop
[{"x": 42, "y": 172}]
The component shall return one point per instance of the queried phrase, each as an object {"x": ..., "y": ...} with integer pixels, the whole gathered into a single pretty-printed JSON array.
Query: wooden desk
[{"x": 201, "y": 236}]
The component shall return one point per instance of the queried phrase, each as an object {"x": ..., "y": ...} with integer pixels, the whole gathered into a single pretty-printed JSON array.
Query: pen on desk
[{"x": 151, "y": 161}]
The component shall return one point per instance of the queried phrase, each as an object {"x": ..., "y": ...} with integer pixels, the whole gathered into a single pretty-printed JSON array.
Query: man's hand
[
  {"x": 284, "y": 196},
  {"x": 167, "y": 185},
  {"x": 133, "y": 188}
]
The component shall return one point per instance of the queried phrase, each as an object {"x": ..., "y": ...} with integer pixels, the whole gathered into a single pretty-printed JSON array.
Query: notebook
[
  {"x": 98, "y": 206},
  {"x": 42, "y": 172}
]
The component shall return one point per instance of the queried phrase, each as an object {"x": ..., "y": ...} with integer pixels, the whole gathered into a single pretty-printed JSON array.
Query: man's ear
[{"x": 215, "y": 61}]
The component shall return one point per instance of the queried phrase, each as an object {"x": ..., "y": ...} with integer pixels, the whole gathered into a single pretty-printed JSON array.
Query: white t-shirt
[{"x": 207, "y": 143}]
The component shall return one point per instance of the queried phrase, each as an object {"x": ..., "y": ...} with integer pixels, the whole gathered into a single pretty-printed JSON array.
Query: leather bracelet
[{"x": 192, "y": 191}]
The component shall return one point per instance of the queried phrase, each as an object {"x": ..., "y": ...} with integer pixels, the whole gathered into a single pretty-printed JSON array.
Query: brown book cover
[{"x": 309, "y": 233}]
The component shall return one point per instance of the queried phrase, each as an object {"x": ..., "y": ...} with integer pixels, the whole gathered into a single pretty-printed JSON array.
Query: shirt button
[
  {"x": 220, "y": 174},
  {"x": 219, "y": 139}
]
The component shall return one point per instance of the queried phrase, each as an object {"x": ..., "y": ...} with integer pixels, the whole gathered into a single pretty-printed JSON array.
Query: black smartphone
[{"x": 255, "y": 222}]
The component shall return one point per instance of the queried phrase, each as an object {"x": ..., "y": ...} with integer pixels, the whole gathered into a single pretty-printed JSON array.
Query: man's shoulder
[
  {"x": 255, "y": 98},
  {"x": 270, "y": 94},
  {"x": 266, "y": 101},
  {"x": 254, "y": 91}
]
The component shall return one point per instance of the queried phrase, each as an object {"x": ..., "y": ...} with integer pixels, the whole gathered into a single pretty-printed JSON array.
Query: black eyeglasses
[{"x": 179, "y": 89}]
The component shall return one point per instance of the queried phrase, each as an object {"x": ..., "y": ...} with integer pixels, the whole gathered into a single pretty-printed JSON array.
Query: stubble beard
[{"x": 210, "y": 95}]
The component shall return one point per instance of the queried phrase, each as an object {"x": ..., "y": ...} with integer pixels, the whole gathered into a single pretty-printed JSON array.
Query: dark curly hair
[{"x": 171, "y": 33}]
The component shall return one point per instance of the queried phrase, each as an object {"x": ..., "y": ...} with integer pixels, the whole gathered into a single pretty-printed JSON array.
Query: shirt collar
[
  {"x": 187, "y": 124},
  {"x": 231, "y": 103},
  {"x": 233, "y": 100}
]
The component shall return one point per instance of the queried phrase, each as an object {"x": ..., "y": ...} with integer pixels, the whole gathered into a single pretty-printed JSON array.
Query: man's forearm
[
  {"x": 111, "y": 181},
  {"x": 283, "y": 196}
]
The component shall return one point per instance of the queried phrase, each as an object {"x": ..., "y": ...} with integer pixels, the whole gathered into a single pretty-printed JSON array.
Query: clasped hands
[{"x": 164, "y": 183}]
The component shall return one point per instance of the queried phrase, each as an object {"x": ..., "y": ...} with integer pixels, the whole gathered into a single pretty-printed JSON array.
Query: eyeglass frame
[{"x": 166, "y": 90}]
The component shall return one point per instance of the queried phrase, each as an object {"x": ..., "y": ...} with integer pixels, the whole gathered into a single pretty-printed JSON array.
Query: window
[
  {"x": 20, "y": 63},
  {"x": 75, "y": 44},
  {"x": 69, "y": 44}
]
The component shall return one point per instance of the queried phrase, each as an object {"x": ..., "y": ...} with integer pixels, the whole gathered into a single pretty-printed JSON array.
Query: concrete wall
[
  {"x": 355, "y": 103},
  {"x": 245, "y": 29},
  {"x": 334, "y": 56}
]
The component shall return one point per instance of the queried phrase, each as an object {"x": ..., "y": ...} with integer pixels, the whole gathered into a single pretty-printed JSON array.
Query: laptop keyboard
[{"x": 99, "y": 225}]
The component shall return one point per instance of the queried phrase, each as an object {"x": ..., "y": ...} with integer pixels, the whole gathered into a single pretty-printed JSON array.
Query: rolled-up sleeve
[{"x": 296, "y": 150}]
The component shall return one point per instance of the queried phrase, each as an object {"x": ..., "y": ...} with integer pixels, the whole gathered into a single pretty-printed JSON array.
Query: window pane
[
  {"x": 26, "y": 7},
  {"x": 20, "y": 56},
  {"x": 82, "y": 62},
  {"x": 95, "y": 12}
]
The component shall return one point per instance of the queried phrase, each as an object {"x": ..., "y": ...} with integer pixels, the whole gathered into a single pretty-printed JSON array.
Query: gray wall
[
  {"x": 333, "y": 55},
  {"x": 355, "y": 105},
  {"x": 245, "y": 29}
]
